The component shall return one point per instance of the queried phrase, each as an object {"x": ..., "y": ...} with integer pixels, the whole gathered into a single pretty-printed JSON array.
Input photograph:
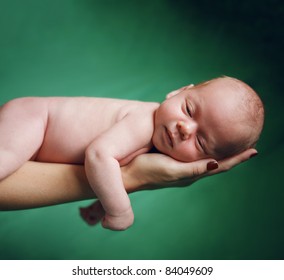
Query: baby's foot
[
  {"x": 93, "y": 213},
  {"x": 118, "y": 222}
]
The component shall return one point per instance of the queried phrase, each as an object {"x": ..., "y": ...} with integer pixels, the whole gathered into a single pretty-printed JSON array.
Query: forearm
[
  {"x": 38, "y": 184},
  {"x": 104, "y": 175}
]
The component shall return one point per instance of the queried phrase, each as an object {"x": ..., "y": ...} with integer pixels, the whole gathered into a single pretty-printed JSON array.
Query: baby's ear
[{"x": 175, "y": 92}]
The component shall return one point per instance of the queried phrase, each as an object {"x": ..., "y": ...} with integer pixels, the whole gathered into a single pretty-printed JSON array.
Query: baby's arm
[
  {"x": 103, "y": 168},
  {"x": 38, "y": 184}
]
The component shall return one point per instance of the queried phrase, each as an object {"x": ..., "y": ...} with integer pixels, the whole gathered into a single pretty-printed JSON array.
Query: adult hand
[
  {"x": 152, "y": 171},
  {"x": 40, "y": 184}
]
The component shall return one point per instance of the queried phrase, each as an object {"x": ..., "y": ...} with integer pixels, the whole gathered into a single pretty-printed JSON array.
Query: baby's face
[{"x": 197, "y": 122}]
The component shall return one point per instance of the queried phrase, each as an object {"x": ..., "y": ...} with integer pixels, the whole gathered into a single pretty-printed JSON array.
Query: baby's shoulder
[
  {"x": 145, "y": 107},
  {"x": 141, "y": 116},
  {"x": 144, "y": 111}
]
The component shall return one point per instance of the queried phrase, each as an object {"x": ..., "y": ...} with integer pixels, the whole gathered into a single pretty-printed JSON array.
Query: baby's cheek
[{"x": 186, "y": 153}]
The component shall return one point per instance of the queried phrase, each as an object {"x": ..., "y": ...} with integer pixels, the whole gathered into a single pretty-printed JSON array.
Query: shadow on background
[{"x": 142, "y": 51}]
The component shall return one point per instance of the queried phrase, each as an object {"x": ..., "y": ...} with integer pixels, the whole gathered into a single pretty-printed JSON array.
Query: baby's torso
[{"x": 73, "y": 123}]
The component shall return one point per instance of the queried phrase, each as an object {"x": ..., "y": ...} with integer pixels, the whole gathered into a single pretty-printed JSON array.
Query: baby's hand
[
  {"x": 118, "y": 222},
  {"x": 93, "y": 213}
]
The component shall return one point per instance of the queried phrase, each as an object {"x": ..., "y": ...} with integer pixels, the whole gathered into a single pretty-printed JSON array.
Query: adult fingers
[
  {"x": 227, "y": 164},
  {"x": 189, "y": 172}
]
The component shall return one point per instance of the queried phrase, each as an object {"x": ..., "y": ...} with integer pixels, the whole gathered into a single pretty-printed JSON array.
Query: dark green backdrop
[{"x": 142, "y": 50}]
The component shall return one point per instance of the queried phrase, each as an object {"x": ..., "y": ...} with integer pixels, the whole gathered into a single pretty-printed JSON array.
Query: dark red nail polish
[
  {"x": 212, "y": 165},
  {"x": 253, "y": 155}
]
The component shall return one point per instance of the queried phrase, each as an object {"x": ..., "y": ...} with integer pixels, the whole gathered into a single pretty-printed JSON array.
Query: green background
[{"x": 142, "y": 50}]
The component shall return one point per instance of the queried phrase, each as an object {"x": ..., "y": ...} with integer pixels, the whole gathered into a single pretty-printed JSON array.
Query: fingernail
[
  {"x": 253, "y": 155},
  {"x": 211, "y": 165}
]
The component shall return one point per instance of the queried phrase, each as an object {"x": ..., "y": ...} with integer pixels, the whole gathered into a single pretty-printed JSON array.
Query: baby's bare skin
[
  {"x": 73, "y": 123},
  {"x": 215, "y": 119},
  {"x": 101, "y": 133}
]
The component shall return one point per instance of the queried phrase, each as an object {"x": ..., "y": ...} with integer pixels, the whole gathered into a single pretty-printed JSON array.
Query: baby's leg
[{"x": 22, "y": 129}]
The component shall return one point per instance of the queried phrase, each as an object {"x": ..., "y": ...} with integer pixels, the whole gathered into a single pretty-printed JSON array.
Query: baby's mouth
[{"x": 169, "y": 138}]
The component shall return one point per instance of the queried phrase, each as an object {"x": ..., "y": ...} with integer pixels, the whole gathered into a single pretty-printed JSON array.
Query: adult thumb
[{"x": 200, "y": 167}]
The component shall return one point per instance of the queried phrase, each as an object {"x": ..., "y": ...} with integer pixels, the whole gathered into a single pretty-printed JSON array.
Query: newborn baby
[{"x": 214, "y": 119}]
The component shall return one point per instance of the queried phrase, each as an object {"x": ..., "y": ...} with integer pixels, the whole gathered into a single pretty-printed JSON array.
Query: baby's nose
[{"x": 185, "y": 129}]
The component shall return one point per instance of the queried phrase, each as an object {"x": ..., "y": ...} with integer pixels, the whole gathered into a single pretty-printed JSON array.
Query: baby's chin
[
  {"x": 183, "y": 158},
  {"x": 170, "y": 153},
  {"x": 188, "y": 158}
]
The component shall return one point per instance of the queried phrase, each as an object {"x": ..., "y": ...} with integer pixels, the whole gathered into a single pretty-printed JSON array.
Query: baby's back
[{"x": 72, "y": 123}]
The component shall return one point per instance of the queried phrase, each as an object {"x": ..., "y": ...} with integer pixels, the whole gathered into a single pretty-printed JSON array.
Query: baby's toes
[
  {"x": 90, "y": 217},
  {"x": 83, "y": 213}
]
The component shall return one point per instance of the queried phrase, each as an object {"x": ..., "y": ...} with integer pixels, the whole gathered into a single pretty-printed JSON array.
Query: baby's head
[{"x": 215, "y": 119}]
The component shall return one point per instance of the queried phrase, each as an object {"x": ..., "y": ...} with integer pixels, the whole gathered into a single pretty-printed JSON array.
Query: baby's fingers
[{"x": 121, "y": 222}]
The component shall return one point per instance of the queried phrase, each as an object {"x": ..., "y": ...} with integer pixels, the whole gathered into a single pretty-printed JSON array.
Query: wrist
[{"x": 131, "y": 180}]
